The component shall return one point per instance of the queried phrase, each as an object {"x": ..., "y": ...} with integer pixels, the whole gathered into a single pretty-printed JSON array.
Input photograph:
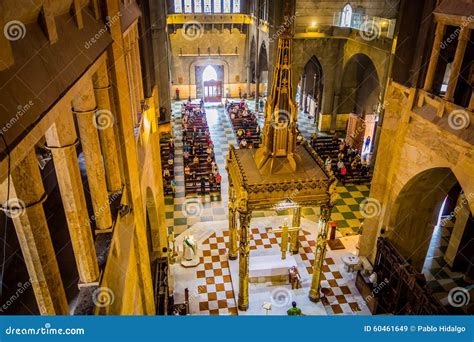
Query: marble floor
[
  {"x": 213, "y": 285},
  {"x": 182, "y": 212},
  {"x": 439, "y": 276}
]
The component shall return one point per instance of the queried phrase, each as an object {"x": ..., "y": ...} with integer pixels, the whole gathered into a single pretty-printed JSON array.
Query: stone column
[
  {"x": 130, "y": 77},
  {"x": 295, "y": 241},
  {"x": 233, "y": 238},
  {"x": 107, "y": 135},
  {"x": 314, "y": 293},
  {"x": 430, "y": 73},
  {"x": 120, "y": 86},
  {"x": 61, "y": 139},
  {"x": 457, "y": 63},
  {"x": 26, "y": 198},
  {"x": 244, "y": 250},
  {"x": 85, "y": 109},
  {"x": 138, "y": 64}
]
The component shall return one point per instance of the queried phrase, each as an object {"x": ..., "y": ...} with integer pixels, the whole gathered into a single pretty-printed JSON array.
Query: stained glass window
[
  {"x": 197, "y": 6},
  {"x": 346, "y": 17},
  {"x": 227, "y": 6},
  {"x": 217, "y": 6},
  {"x": 178, "y": 6},
  {"x": 188, "y": 6},
  {"x": 207, "y": 6},
  {"x": 236, "y": 7}
]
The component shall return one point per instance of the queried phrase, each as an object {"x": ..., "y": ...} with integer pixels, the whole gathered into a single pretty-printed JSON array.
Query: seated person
[
  {"x": 173, "y": 186},
  {"x": 196, "y": 160},
  {"x": 170, "y": 162},
  {"x": 240, "y": 133},
  {"x": 209, "y": 160},
  {"x": 166, "y": 173},
  {"x": 243, "y": 143},
  {"x": 208, "y": 150},
  {"x": 218, "y": 181},
  {"x": 212, "y": 180},
  {"x": 186, "y": 155},
  {"x": 187, "y": 170}
]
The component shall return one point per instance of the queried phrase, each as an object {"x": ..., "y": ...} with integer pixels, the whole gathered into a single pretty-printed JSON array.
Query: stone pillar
[
  {"x": 457, "y": 63},
  {"x": 233, "y": 238},
  {"x": 244, "y": 250},
  {"x": 120, "y": 86},
  {"x": 85, "y": 109},
  {"x": 295, "y": 241},
  {"x": 314, "y": 293},
  {"x": 107, "y": 135},
  {"x": 303, "y": 90},
  {"x": 27, "y": 195},
  {"x": 430, "y": 73},
  {"x": 61, "y": 139},
  {"x": 138, "y": 65},
  {"x": 130, "y": 77}
]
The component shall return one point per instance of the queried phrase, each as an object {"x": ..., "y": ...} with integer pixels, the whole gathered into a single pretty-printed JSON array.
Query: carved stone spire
[{"x": 277, "y": 153}]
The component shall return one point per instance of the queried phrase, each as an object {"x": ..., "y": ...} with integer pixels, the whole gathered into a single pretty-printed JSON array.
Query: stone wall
[
  {"x": 417, "y": 162},
  {"x": 323, "y": 12},
  {"x": 184, "y": 58}
]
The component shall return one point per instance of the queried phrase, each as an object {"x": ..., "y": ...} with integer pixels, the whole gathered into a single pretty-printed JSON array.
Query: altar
[{"x": 271, "y": 268}]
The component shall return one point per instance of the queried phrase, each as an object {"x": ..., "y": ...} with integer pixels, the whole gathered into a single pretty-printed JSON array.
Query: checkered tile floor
[
  {"x": 438, "y": 274},
  {"x": 216, "y": 295},
  {"x": 214, "y": 208}
]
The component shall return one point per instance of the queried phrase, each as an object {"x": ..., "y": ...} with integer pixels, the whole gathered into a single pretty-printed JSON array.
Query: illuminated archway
[{"x": 209, "y": 74}]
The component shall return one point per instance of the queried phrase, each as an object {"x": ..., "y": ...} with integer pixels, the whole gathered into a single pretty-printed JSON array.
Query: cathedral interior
[{"x": 237, "y": 157}]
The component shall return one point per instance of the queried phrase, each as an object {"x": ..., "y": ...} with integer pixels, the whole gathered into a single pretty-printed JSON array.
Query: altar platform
[{"x": 213, "y": 284}]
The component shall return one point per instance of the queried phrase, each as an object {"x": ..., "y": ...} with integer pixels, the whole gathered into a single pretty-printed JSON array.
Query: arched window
[
  {"x": 209, "y": 74},
  {"x": 236, "y": 7},
  {"x": 346, "y": 16},
  {"x": 188, "y": 6},
  {"x": 197, "y": 6},
  {"x": 178, "y": 6},
  {"x": 227, "y": 6},
  {"x": 217, "y": 6},
  {"x": 207, "y": 6}
]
